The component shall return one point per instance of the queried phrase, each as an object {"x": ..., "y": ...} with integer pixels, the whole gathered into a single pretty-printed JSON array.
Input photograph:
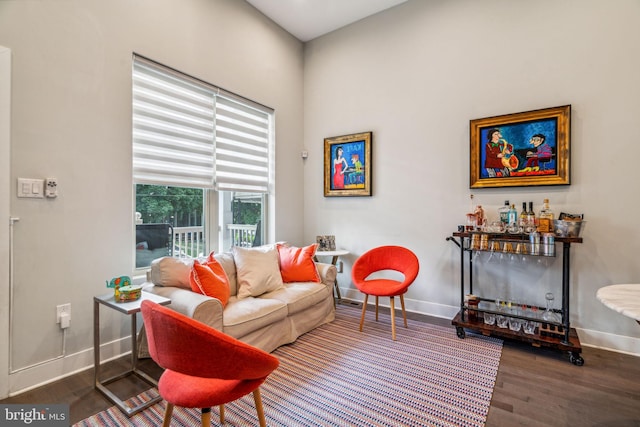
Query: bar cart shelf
[{"x": 556, "y": 335}]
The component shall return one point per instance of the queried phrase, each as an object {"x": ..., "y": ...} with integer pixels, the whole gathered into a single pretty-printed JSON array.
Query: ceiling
[{"x": 308, "y": 19}]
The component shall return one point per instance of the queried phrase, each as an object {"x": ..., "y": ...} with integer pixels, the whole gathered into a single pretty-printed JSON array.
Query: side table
[
  {"x": 130, "y": 308},
  {"x": 625, "y": 299},
  {"x": 334, "y": 260}
]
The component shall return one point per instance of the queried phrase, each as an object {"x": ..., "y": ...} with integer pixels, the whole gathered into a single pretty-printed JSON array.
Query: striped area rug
[{"x": 338, "y": 376}]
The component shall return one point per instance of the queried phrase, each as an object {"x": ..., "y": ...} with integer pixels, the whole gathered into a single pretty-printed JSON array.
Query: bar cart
[{"x": 557, "y": 335}]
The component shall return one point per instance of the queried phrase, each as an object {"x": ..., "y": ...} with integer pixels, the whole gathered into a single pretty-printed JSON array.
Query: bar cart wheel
[
  {"x": 460, "y": 332},
  {"x": 576, "y": 359}
]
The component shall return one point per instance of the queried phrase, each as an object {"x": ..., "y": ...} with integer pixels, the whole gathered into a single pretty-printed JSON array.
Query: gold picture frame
[
  {"x": 347, "y": 165},
  {"x": 521, "y": 149}
]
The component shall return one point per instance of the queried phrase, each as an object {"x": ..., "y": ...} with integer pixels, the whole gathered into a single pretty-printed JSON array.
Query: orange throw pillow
[
  {"x": 210, "y": 279},
  {"x": 296, "y": 264}
]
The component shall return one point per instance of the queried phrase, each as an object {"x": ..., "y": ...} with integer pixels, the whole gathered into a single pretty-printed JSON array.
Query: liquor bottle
[
  {"x": 532, "y": 221},
  {"x": 503, "y": 212},
  {"x": 481, "y": 220},
  {"x": 545, "y": 219},
  {"x": 512, "y": 217},
  {"x": 522, "y": 219}
]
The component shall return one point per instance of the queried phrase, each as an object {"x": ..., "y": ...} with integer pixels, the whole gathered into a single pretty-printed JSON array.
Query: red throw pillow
[
  {"x": 210, "y": 279},
  {"x": 296, "y": 264}
]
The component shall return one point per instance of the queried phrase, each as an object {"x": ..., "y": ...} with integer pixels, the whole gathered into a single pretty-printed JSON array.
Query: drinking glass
[
  {"x": 515, "y": 323},
  {"x": 489, "y": 318},
  {"x": 529, "y": 327},
  {"x": 494, "y": 246},
  {"x": 501, "y": 320},
  {"x": 475, "y": 241}
]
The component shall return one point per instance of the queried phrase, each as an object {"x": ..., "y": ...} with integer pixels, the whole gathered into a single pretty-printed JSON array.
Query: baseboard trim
[
  {"x": 45, "y": 373},
  {"x": 612, "y": 342}
]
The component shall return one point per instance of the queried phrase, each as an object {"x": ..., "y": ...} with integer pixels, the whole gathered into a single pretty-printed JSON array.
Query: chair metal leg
[
  {"x": 221, "y": 414},
  {"x": 393, "y": 318},
  {"x": 205, "y": 418},
  {"x": 404, "y": 313},
  {"x": 168, "y": 412},
  {"x": 364, "y": 309},
  {"x": 376, "y": 308},
  {"x": 259, "y": 409}
]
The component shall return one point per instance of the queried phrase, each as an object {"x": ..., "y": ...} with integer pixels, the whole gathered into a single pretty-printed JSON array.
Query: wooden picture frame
[
  {"x": 347, "y": 165},
  {"x": 521, "y": 149}
]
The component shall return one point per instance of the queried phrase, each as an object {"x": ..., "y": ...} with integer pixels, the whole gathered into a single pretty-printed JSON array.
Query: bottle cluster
[{"x": 510, "y": 220}]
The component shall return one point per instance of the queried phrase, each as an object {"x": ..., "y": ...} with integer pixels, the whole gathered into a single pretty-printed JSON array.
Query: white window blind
[
  {"x": 172, "y": 128},
  {"x": 187, "y": 133},
  {"x": 242, "y": 147}
]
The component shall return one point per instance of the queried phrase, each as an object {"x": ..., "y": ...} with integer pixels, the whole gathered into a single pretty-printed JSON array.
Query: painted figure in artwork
[
  {"x": 339, "y": 167},
  {"x": 356, "y": 172},
  {"x": 357, "y": 164},
  {"x": 499, "y": 160},
  {"x": 542, "y": 153}
]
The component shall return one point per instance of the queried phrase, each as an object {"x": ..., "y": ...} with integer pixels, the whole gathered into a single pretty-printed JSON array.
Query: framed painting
[
  {"x": 347, "y": 165},
  {"x": 521, "y": 149}
]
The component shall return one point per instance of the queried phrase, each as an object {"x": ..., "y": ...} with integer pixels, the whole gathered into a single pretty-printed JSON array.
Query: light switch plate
[{"x": 30, "y": 188}]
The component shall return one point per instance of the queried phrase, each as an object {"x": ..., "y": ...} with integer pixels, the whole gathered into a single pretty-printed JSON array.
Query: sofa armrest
[
  {"x": 199, "y": 307},
  {"x": 328, "y": 273}
]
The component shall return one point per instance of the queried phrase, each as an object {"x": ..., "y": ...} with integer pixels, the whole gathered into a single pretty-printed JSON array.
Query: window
[
  {"x": 196, "y": 149},
  {"x": 244, "y": 216},
  {"x": 169, "y": 222}
]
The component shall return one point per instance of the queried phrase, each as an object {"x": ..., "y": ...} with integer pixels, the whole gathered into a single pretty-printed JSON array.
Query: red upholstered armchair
[
  {"x": 382, "y": 258},
  {"x": 203, "y": 367}
]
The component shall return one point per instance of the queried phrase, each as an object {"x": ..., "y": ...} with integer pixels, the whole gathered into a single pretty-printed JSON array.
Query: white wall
[
  {"x": 71, "y": 119},
  {"x": 416, "y": 74},
  {"x": 5, "y": 117}
]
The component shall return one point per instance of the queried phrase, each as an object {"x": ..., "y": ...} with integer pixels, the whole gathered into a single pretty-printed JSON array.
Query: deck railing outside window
[
  {"x": 242, "y": 234},
  {"x": 189, "y": 241}
]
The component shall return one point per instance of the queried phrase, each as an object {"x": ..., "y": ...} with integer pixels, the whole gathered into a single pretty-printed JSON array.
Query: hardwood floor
[
  {"x": 534, "y": 387},
  {"x": 78, "y": 392}
]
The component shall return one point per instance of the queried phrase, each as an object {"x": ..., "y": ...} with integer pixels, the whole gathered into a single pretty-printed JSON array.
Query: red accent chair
[
  {"x": 382, "y": 258},
  {"x": 203, "y": 366}
]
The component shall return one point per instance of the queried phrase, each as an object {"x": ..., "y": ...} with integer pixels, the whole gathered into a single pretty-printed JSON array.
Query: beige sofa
[{"x": 266, "y": 321}]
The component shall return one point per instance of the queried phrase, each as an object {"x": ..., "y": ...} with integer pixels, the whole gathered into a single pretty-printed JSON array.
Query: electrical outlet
[
  {"x": 51, "y": 187},
  {"x": 63, "y": 308}
]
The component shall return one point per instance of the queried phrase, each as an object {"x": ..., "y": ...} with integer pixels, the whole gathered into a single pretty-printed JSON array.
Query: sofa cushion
[
  {"x": 258, "y": 270},
  {"x": 228, "y": 264},
  {"x": 210, "y": 279},
  {"x": 243, "y": 316},
  {"x": 299, "y": 296},
  {"x": 169, "y": 271},
  {"x": 296, "y": 264}
]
